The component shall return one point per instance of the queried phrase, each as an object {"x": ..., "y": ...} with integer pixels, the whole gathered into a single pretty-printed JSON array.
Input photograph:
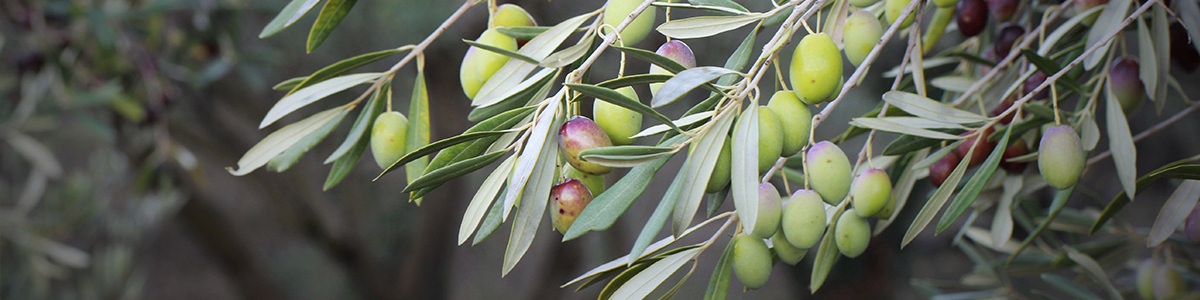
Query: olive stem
[{"x": 1149, "y": 131}]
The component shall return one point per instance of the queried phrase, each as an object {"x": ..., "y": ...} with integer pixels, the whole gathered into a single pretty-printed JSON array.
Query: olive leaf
[
  {"x": 1121, "y": 143},
  {"x": 625, "y": 156},
  {"x": 508, "y": 76},
  {"x": 686, "y": 81},
  {"x": 285, "y": 160},
  {"x": 699, "y": 167},
  {"x": 535, "y": 192},
  {"x": 483, "y": 198},
  {"x": 310, "y": 94},
  {"x": 288, "y": 15},
  {"x": 975, "y": 185},
  {"x": 333, "y": 70},
  {"x": 1174, "y": 212},
  {"x": 936, "y": 201},
  {"x": 706, "y": 26},
  {"x": 744, "y": 167},
  {"x": 924, "y": 107},
  {"x": 1108, "y": 23},
  {"x": 907, "y": 125},
  {"x": 280, "y": 140},
  {"x": 1176, "y": 169},
  {"x": 331, "y": 15},
  {"x": 647, "y": 280},
  {"x": 718, "y": 284}
]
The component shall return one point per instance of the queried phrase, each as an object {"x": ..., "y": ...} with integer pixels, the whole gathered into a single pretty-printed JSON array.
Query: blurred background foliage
[{"x": 119, "y": 116}]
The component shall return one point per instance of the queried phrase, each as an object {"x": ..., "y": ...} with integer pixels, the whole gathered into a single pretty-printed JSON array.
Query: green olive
[
  {"x": 860, "y": 35},
  {"x": 871, "y": 190},
  {"x": 804, "y": 219},
  {"x": 594, "y": 183},
  {"x": 770, "y": 139},
  {"x": 852, "y": 234},
  {"x": 388, "y": 136},
  {"x": 863, "y": 3},
  {"x": 816, "y": 68},
  {"x": 479, "y": 65},
  {"x": 1145, "y": 278},
  {"x": 1168, "y": 283},
  {"x": 720, "y": 176},
  {"x": 769, "y": 211},
  {"x": 618, "y": 122},
  {"x": 1060, "y": 157},
  {"x": 511, "y": 15},
  {"x": 893, "y": 8},
  {"x": 828, "y": 171},
  {"x": 616, "y": 11},
  {"x": 787, "y": 253},
  {"x": 751, "y": 261},
  {"x": 795, "y": 118}
]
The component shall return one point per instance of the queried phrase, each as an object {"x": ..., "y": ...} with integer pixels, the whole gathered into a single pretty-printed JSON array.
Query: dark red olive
[
  {"x": 981, "y": 152},
  {"x": 1003, "y": 106},
  {"x": 972, "y": 17},
  {"x": 1183, "y": 50},
  {"x": 1018, "y": 148},
  {"x": 1006, "y": 37},
  {"x": 942, "y": 168},
  {"x": 1033, "y": 82},
  {"x": 1002, "y": 10}
]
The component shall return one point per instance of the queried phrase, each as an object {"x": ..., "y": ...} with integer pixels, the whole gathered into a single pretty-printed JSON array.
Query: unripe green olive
[
  {"x": 893, "y": 8},
  {"x": 567, "y": 200},
  {"x": 852, "y": 234},
  {"x": 828, "y": 171},
  {"x": 1168, "y": 283},
  {"x": 618, "y": 122},
  {"x": 578, "y": 134},
  {"x": 862, "y": 3},
  {"x": 888, "y": 209},
  {"x": 816, "y": 68},
  {"x": 720, "y": 176},
  {"x": 511, "y": 15},
  {"x": 595, "y": 183},
  {"x": 751, "y": 261},
  {"x": 787, "y": 253},
  {"x": 794, "y": 118},
  {"x": 478, "y": 65},
  {"x": 1060, "y": 157},
  {"x": 388, "y": 137},
  {"x": 870, "y": 192},
  {"x": 615, "y": 11},
  {"x": 804, "y": 219},
  {"x": 1145, "y": 278},
  {"x": 769, "y": 211},
  {"x": 860, "y": 35},
  {"x": 945, "y": 3},
  {"x": 770, "y": 139},
  {"x": 675, "y": 50}
]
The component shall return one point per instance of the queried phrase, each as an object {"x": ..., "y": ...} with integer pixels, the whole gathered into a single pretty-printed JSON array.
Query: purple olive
[
  {"x": 1017, "y": 149},
  {"x": 1003, "y": 10},
  {"x": 1033, "y": 82},
  {"x": 1006, "y": 38},
  {"x": 972, "y": 17},
  {"x": 675, "y": 50},
  {"x": 578, "y": 134},
  {"x": 1125, "y": 80},
  {"x": 1192, "y": 227}
]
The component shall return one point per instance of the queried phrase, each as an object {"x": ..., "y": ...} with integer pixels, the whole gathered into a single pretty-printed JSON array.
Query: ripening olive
[
  {"x": 1004, "y": 106},
  {"x": 751, "y": 261},
  {"x": 1002, "y": 10},
  {"x": 794, "y": 117},
  {"x": 787, "y": 253},
  {"x": 1006, "y": 39},
  {"x": 1192, "y": 227},
  {"x": 1018, "y": 148},
  {"x": 616, "y": 11},
  {"x": 942, "y": 168},
  {"x": 578, "y": 134},
  {"x": 804, "y": 219},
  {"x": 893, "y": 8},
  {"x": 1060, "y": 156},
  {"x": 860, "y": 35},
  {"x": 388, "y": 136},
  {"x": 567, "y": 200},
  {"x": 816, "y": 68},
  {"x": 828, "y": 171},
  {"x": 595, "y": 183},
  {"x": 852, "y": 234},
  {"x": 769, "y": 211},
  {"x": 1125, "y": 84},
  {"x": 870, "y": 191},
  {"x": 1032, "y": 83},
  {"x": 770, "y": 138},
  {"x": 981, "y": 151},
  {"x": 720, "y": 176},
  {"x": 675, "y": 50},
  {"x": 478, "y": 65},
  {"x": 618, "y": 122},
  {"x": 972, "y": 17}
]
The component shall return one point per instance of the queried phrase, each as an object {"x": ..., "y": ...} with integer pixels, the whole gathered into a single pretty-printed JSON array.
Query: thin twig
[{"x": 1149, "y": 131}]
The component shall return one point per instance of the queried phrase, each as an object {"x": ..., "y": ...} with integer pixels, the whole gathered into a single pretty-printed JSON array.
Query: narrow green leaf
[
  {"x": 604, "y": 209},
  {"x": 1120, "y": 141},
  {"x": 930, "y": 109},
  {"x": 490, "y": 223},
  {"x": 289, "y": 84},
  {"x": 621, "y": 100},
  {"x": 452, "y": 171},
  {"x": 936, "y": 201},
  {"x": 523, "y": 32},
  {"x": 720, "y": 3},
  {"x": 514, "y": 71},
  {"x": 344, "y": 164},
  {"x": 684, "y": 121},
  {"x": 1147, "y": 62},
  {"x": 542, "y": 131},
  {"x": 1189, "y": 15},
  {"x": 280, "y": 140},
  {"x": 1056, "y": 206},
  {"x": 620, "y": 280},
  {"x": 1108, "y": 22},
  {"x": 699, "y": 167},
  {"x": 666, "y": 205},
  {"x": 827, "y": 254},
  {"x": 744, "y": 167},
  {"x": 953, "y": 83},
  {"x": 740, "y": 56},
  {"x": 718, "y": 284},
  {"x": 645, "y": 281},
  {"x": 363, "y": 123},
  {"x": 706, "y": 26},
  {"x": 625, "y": 156},
  {"x": 337, "y": 69},
  {"x": 1002, "y": 222},
  {"x": 285, "y": 160},
  {"x": 634, "y": 80},
  {"x": 567, "y": 56},
  {"x": 1174, "y": 212},
  {"x": 329, "y": 18},
  {"x": 684, "y": 82},
  {"x": 534, "y": 89},
  {"x": 501, "y": 51},
  {"x": 483, "y": 199},
  {"x": 418, "y": 135},
  {"x": 1173, "y": 170},
  {"x": 649, "y": 56},
  {"x": 909, "y": 143},
  {"x": 534, "y": 196},
  {"x": 975, "y": 185},
  {"x": 902, "y": 125},
  {"x": 288, "y": 15},
  {"x": 1162, "y": 49},
  {"x": 308, "y": 95},
  {"x": 615, "y": 264},
  {"x": 1063, "y": 29},
  {"x": 1093, "y": 270},
  {"x": 439, "y": 145},
  {"x": 1048, "y": 66},
  {"x": 462, "y": 151}
]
